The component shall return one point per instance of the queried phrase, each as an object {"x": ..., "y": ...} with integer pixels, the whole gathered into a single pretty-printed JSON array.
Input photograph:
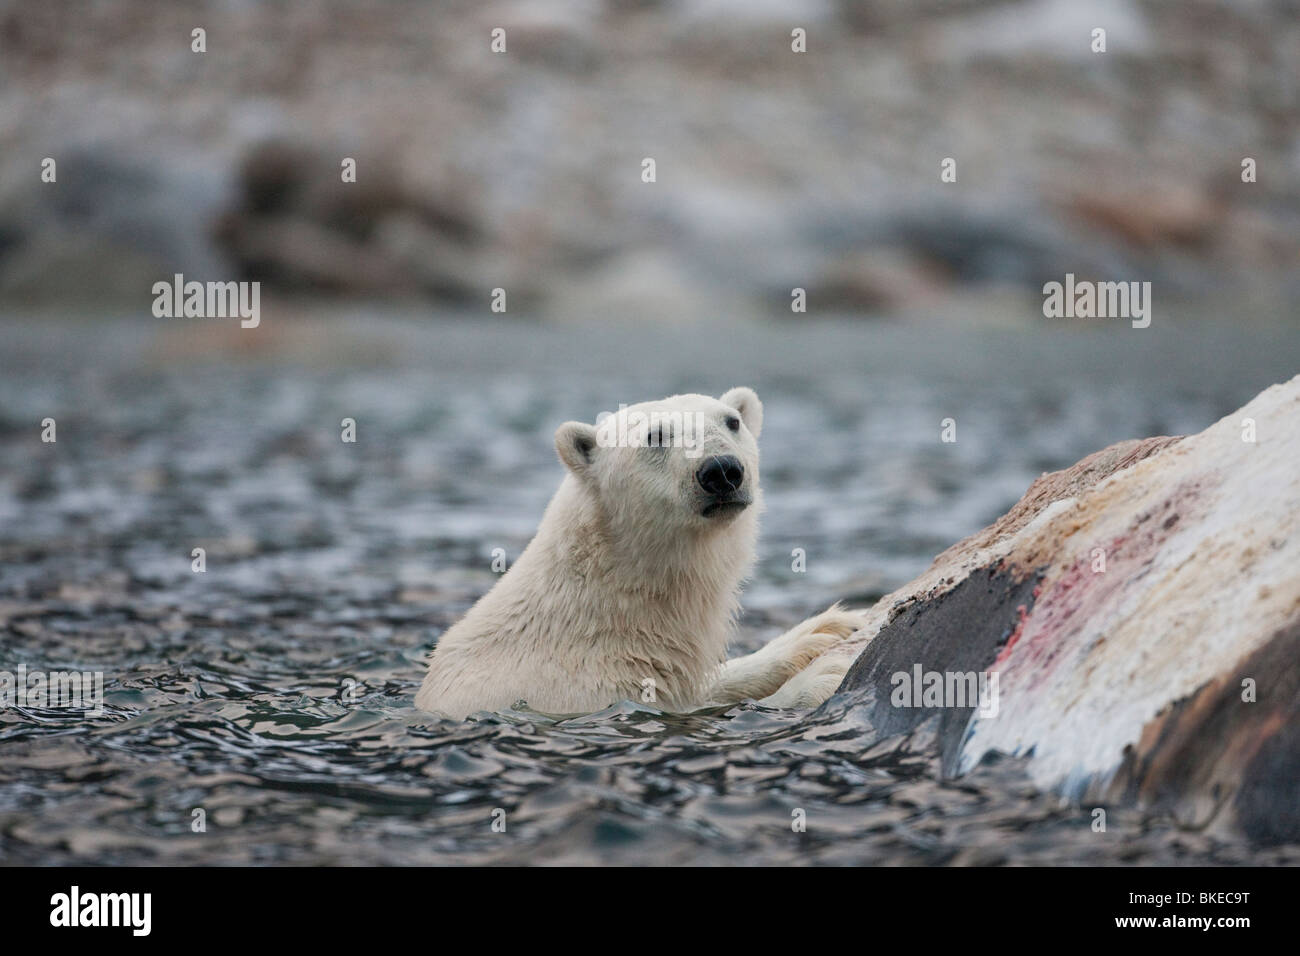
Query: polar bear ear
[
  {"x": 575, "y": 442},
  {"x": 745, "y": 401}
]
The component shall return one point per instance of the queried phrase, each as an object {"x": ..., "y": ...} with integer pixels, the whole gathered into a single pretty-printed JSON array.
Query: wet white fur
[{"x": 628, "y": 592}]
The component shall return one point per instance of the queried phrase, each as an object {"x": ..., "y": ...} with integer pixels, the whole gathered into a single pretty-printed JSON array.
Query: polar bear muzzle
[{"x": 723, "y": 478}]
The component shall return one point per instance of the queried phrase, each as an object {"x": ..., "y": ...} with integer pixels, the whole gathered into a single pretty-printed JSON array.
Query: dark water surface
[{"x": 274, "y": 691}]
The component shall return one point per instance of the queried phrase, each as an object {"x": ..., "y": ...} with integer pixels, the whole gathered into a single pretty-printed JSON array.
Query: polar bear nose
[{"x": 721, "y": 475}]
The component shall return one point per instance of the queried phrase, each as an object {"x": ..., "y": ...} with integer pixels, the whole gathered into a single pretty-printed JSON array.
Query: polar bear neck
[
  {"x": 659, "y": 597},
  {"x": 649, "y": 561}
]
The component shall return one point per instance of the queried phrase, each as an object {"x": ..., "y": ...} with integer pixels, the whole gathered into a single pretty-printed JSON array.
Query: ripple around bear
[{"x": 629, "y": 589}]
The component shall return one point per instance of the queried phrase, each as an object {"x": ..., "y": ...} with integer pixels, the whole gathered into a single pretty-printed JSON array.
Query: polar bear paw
[
  {"x": 815, "y": 684},
  {"x": 764, "y": 672},
  {"x": 803, "y": 644}
]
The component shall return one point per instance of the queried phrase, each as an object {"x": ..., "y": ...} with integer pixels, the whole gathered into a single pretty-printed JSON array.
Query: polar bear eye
[
  {"x": 733, "y": 423},
  {"x": 659, "y": 437}
]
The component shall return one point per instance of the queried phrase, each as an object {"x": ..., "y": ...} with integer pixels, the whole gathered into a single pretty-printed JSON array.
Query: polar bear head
[{"x": 686, "y": 463}]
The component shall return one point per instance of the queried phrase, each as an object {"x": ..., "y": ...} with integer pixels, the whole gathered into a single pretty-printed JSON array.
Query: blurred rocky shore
[{"x": 522, "y": 170}]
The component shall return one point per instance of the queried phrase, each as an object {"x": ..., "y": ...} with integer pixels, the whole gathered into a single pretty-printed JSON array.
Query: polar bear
[{"x": 629, "y": 589}]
